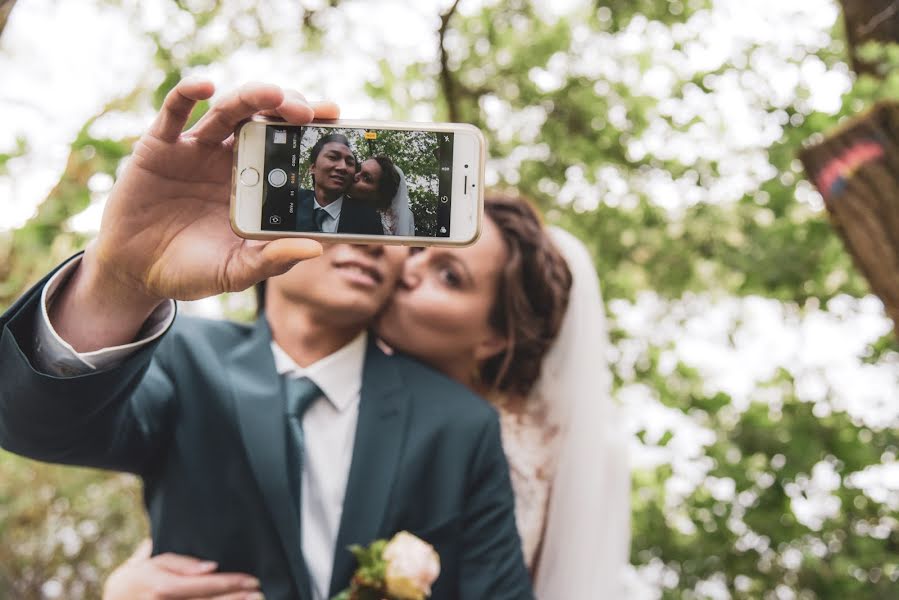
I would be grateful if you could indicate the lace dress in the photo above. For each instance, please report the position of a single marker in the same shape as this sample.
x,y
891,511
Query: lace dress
x,y
531,443
388,221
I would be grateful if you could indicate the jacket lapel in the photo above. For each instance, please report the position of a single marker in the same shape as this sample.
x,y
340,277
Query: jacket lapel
x,y
380,435
259,400
305,218
346,223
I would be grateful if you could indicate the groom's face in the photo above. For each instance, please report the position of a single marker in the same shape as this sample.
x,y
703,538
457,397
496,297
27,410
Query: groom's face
x,y
348,283
334,168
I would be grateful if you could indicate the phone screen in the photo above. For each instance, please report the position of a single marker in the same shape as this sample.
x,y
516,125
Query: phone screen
x,y
357,181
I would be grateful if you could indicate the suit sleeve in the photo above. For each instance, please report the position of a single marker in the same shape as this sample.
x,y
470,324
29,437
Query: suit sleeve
x,y
492,563
112,418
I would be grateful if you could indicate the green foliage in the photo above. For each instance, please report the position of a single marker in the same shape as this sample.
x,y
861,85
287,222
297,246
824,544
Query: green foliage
x,y
570,123
63,529
371,573
20,149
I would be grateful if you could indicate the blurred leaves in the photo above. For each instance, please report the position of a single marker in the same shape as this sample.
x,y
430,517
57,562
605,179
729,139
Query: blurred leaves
x,y
638,172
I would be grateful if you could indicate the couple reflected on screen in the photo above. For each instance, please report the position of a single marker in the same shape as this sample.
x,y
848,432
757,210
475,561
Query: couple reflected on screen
x,y
367,198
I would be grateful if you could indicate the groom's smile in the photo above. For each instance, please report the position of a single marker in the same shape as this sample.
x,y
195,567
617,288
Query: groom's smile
x,y
361,272
351,282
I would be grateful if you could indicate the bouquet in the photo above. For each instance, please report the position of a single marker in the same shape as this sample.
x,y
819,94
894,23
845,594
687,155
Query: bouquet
x,y
402,569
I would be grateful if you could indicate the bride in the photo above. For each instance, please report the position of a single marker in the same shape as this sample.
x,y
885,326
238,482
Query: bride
x,y
382,185
518,317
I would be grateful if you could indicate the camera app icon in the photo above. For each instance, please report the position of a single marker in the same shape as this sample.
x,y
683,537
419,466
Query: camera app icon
x,y
274,220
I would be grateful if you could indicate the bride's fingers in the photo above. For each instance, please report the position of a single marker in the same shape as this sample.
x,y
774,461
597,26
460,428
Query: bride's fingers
x,y
177,106
252,98
142,552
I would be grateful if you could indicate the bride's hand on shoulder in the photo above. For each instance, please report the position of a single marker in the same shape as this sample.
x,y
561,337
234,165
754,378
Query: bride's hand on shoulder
x,y
176,577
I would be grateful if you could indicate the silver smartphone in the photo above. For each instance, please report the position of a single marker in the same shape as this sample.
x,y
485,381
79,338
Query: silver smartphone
x,y
359,181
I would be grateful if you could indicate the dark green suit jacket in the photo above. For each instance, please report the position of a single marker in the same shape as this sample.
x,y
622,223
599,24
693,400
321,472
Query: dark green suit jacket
x,y
355,217
199,416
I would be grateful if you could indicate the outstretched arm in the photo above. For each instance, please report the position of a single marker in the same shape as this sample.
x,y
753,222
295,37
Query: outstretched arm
x,y
165,233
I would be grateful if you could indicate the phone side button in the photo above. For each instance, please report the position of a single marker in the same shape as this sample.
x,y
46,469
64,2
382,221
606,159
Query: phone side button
x,y
249,176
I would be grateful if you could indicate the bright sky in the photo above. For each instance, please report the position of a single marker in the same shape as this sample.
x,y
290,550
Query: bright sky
x,y
60,61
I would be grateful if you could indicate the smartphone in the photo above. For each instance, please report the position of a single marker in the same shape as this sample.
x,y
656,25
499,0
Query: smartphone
x,y
359,181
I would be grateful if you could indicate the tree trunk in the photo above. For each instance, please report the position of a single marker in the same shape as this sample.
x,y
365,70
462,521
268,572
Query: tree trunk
x,y
856,169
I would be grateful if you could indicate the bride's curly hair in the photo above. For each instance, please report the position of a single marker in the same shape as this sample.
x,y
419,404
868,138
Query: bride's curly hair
x,y
388,183
531,296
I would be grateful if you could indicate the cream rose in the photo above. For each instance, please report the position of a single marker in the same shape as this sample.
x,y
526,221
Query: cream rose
x,y
412,566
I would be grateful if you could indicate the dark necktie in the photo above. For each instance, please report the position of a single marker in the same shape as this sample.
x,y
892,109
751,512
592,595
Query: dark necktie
x,y
320,215
301,393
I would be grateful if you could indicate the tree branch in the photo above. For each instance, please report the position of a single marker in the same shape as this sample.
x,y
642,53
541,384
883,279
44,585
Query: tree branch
x,y
5,9
878,19
447,84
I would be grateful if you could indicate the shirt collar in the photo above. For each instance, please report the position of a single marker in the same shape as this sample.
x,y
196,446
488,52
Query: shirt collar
x,y
332,209
338,375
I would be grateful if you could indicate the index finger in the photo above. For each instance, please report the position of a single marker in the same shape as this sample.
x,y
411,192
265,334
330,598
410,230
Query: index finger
x,y
221,120
203,586
295,108
177,106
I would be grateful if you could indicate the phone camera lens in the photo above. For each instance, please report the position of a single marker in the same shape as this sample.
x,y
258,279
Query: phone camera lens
x,y
466,166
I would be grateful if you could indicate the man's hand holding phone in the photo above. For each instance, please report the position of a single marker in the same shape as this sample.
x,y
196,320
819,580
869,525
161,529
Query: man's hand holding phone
x,y
165,231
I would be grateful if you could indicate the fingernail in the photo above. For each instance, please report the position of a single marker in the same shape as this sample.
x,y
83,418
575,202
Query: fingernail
x,y
207,565
251,583
255,596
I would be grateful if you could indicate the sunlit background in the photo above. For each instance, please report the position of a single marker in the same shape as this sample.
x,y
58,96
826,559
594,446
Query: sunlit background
x,y
757,375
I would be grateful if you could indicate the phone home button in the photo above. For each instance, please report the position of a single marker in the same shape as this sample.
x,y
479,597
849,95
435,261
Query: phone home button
x,y
249,176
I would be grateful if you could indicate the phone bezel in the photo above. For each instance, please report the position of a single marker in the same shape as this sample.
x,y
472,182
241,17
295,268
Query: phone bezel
x,y
466,204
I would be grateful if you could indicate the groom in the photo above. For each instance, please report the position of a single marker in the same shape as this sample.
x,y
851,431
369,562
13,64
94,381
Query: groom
x,y
326,207
96,373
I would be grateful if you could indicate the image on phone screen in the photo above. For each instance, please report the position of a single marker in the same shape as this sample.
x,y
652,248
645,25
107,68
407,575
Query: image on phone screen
x,y
357,181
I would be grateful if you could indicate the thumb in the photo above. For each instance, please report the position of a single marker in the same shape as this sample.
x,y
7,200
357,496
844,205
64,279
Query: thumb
x,y
142,552
278,256
258,260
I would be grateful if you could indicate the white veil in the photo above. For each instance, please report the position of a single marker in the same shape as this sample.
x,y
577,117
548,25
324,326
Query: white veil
x,y
405,221
586,544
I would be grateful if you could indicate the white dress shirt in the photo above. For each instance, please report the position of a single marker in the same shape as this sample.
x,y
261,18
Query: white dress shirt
x,y
329,424
332,217
55,356
329,434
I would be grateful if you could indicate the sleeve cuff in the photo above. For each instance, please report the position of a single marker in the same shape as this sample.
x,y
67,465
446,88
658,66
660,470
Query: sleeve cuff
x,y
54,355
